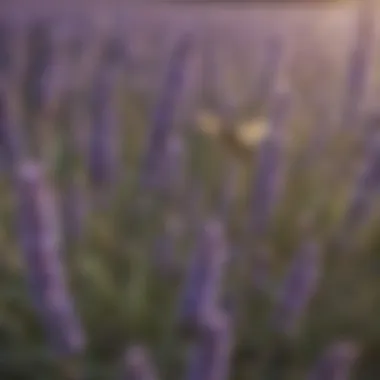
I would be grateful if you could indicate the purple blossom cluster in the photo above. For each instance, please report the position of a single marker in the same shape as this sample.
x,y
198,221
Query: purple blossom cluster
x,y
52,177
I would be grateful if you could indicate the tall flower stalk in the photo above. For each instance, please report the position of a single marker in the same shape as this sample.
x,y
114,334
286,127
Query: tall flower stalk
x,y
211,355
202,289
359,65
39,233
12,144
269,171
165,112
300,285
104,136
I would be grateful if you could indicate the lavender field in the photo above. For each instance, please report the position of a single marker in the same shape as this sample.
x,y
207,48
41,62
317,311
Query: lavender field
x,y
189,193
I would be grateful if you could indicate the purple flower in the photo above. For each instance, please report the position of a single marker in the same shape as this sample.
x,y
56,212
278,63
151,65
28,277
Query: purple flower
x,y
298,288
56,76
210,356
359,65
164,116
365,189
39,57
211,78
54,84
274,49
11,142
39,234
103,155
201,294
268,176
336,362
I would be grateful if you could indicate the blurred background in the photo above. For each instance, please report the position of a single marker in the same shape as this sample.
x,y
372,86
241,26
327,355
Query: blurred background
x,y
189,191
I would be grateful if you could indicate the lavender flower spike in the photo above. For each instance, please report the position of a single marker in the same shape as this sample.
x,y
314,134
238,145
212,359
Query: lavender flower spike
x,y
39,57
164,116
11,142
210,359
274,55
366,187
39,234
359,64
200,297
55,79
268,176
336,363
298,288
137,365
104,134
